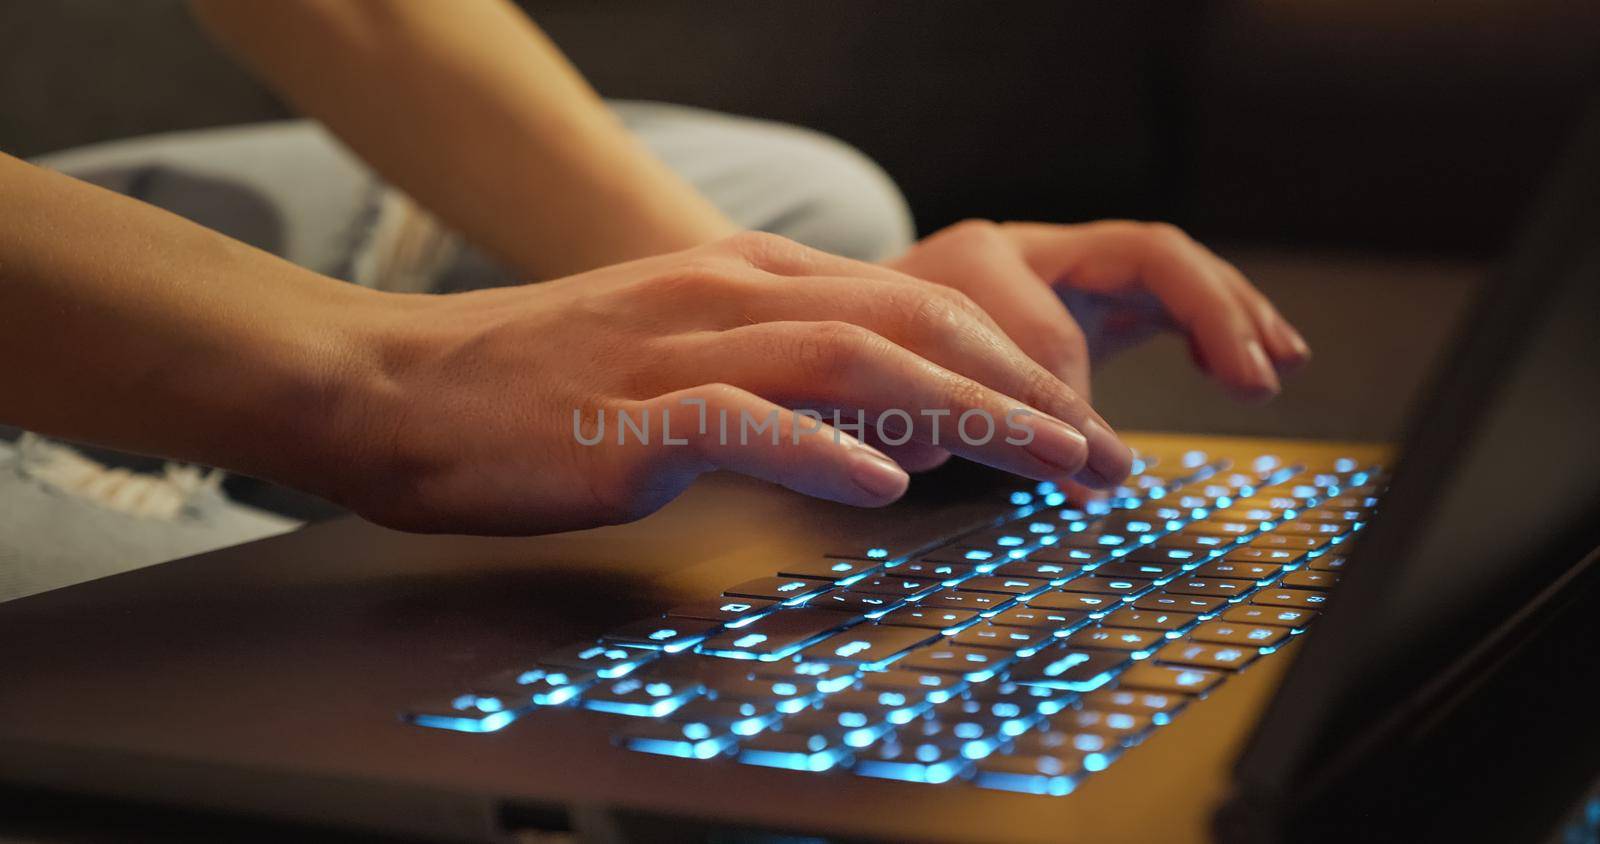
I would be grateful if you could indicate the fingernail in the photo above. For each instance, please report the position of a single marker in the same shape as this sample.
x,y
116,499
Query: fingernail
x,y
1110,459
1264,376
1297,342
874,472
1057,443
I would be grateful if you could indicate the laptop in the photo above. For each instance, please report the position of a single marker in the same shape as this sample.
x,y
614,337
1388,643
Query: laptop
x,y
1251,640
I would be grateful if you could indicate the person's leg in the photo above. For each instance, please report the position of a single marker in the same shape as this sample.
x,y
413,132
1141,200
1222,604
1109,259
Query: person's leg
x,y
66,519
779,178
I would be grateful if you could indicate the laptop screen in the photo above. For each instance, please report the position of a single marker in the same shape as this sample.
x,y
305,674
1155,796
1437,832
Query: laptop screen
x,y
1497,494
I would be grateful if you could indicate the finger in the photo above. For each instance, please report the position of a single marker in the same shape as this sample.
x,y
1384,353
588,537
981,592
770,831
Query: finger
x,y
899,395
1187,280
1006,287
747,434
913,456
781,256
1284,344
946,327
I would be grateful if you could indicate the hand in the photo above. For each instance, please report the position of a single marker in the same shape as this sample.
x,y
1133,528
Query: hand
x,y
1132,279
466,422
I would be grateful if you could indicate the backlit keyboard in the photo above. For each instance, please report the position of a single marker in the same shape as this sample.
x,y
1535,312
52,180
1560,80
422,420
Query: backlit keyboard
x,y
1023,654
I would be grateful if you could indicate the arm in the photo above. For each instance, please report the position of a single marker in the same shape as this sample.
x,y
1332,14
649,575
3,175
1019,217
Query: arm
x,y
472,111
124,325
130,327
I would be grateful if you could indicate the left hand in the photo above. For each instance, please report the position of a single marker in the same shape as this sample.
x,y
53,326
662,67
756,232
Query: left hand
x,y
1139,278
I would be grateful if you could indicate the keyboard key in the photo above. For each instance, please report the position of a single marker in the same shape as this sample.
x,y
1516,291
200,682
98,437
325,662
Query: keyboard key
x,y
1318,529
1209,587
800,750
1114,724
787,589
931,571
607,661
1237,570
1073,601
863,706
954,659
776,636
1137,571
1095,540
1052,775
724,609
1106,585
1230,633
1159,602
685,740
769,692
958,599
851,601
834,569
1276,556
1168,678
967,554
1274,540
1069,557
1252,614
1054,572
1327,562
878,552
546,686
1201,545
1310,579
1331,514
638,697
935,686
868,644
1030,616
1116,638
912,761
1003,585
1296,598
1003,638
1149,619
919,615
663,634
465,713
1158,705
1161,556
901,587
1209,527
1204,655
1069,669
1047,741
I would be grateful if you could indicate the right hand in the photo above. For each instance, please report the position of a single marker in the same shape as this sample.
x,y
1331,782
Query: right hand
x,y
461,418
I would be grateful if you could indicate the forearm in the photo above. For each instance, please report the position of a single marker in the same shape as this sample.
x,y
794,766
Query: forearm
x,y
471,110
124,325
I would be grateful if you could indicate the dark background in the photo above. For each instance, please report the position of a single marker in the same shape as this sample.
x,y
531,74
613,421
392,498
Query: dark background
x,y
1362,160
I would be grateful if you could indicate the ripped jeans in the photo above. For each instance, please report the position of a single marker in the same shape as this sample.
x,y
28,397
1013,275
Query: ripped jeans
x,y
291,189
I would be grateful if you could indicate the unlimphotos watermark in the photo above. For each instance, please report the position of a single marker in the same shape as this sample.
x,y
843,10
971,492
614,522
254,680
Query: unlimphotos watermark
x,y
974,427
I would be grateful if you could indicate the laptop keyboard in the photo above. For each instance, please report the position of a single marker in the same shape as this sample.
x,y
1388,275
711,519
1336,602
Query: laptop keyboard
x,y
1024,654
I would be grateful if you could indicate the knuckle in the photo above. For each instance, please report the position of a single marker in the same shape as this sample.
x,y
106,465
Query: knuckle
x,y
1160,235
1063,342
761,249
976,229
828,351
700,277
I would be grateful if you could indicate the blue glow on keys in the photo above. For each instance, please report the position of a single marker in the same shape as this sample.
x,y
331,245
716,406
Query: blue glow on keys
x,y
1021,499
468,714
877,553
